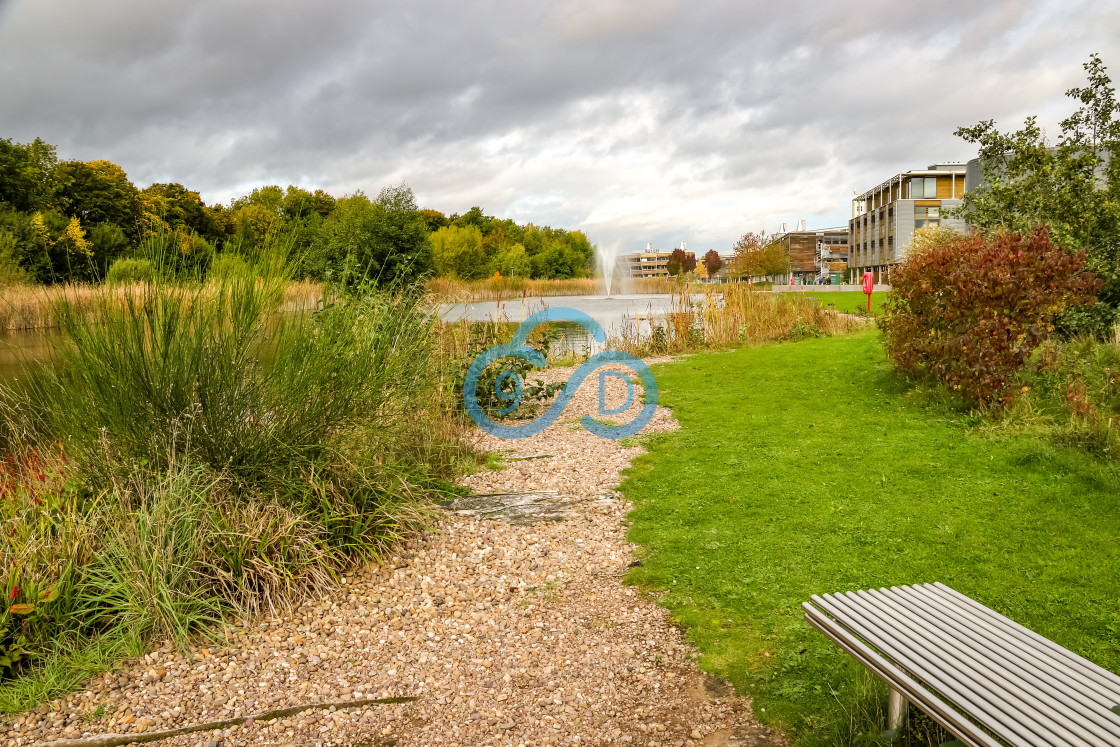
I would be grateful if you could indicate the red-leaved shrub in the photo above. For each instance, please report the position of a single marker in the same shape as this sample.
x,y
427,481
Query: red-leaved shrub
x,y
970,311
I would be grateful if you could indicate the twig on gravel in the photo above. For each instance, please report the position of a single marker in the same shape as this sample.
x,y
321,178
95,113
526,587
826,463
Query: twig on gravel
x,y
114,740
527,458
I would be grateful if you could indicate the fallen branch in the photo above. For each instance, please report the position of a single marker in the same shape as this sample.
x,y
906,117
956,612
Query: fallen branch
x,y
114,740
527,458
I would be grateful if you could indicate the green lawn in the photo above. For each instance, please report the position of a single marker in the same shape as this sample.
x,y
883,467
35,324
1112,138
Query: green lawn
x,y
847,301
810,467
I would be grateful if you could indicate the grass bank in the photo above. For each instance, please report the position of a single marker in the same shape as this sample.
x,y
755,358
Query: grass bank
x,y
812,467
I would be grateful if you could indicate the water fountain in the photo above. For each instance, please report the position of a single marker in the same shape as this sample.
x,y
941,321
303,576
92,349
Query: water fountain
x,y
608,261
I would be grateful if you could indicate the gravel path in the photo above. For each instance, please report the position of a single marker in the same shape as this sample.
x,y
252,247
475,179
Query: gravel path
x,y
509,635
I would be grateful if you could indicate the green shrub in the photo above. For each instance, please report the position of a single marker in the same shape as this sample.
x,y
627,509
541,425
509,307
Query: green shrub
x,y
970,312
129,270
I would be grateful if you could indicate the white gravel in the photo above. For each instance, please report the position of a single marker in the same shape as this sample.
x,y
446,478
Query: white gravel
x,y
509,635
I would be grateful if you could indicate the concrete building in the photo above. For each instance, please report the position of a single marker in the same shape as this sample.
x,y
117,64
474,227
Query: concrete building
x,y
885,217
648,264
811,253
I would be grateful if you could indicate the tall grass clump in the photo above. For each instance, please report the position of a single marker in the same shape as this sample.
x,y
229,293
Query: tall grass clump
x,y
194,450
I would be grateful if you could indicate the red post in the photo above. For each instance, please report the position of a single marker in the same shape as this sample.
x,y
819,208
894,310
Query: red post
x,y
868,286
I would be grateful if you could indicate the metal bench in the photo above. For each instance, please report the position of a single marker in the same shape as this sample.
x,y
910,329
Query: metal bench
x,y
987,680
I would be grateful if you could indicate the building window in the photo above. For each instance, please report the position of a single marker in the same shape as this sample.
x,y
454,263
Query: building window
x,y
926,216
923,188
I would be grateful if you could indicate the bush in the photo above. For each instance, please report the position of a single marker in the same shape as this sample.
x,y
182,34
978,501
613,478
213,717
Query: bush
x,y
970,311
127,271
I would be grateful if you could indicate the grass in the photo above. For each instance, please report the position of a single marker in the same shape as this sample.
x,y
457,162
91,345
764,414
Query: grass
x,y
847,302
812,467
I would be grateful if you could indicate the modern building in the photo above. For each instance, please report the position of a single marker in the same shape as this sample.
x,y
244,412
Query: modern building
x,y
885,217
812,253
648,264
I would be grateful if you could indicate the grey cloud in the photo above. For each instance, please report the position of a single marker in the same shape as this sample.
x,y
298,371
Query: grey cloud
x,y
655,120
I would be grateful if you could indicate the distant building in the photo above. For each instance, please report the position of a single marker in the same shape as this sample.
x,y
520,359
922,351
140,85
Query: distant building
x,y
648,264
885,217
812,253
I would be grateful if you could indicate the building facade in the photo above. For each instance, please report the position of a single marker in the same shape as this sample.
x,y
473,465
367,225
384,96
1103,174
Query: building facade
x,y
647,264
885,217
812,253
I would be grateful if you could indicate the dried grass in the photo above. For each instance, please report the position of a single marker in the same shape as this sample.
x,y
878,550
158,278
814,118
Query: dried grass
x,y
35,306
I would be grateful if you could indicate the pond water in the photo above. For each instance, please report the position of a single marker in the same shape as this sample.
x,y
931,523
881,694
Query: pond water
x,y
613,313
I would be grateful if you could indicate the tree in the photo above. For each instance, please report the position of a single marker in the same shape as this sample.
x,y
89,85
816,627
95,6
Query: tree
x,y
385,241
511,261
712,262
457,252
26,173
680,263
435,219
757,255
174,207
1073,187
98,192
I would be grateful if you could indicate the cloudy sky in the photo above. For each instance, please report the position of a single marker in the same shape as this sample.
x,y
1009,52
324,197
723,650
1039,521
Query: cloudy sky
x,y
643,120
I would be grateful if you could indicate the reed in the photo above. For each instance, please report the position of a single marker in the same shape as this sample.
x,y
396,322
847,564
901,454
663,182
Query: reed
x,y
449,290
728,315
25,307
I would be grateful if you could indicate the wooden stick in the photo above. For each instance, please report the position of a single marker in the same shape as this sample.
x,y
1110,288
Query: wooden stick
x,y
115,740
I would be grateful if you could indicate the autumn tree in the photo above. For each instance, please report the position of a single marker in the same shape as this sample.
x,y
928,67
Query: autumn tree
x,y
712,262
680,262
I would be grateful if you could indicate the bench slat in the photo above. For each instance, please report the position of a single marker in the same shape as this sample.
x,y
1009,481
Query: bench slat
x,y
966,731
1043,709
1025,688
1054,678
1000,711
1103,680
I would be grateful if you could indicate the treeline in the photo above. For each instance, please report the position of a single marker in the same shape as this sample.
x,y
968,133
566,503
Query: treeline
x,y
70,221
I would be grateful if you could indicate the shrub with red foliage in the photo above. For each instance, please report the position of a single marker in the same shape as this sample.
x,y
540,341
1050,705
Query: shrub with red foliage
x,y
970,312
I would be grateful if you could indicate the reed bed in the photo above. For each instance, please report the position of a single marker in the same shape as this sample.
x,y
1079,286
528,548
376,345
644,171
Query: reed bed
x,y
25,307
728,315
448,290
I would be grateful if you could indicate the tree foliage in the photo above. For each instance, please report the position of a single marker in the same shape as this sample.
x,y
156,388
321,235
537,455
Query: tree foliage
x,y
970,311
757,255
68,221
1073,186
712,262
680,262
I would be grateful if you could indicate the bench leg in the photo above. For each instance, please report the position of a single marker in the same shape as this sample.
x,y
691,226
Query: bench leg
x,y
896,709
